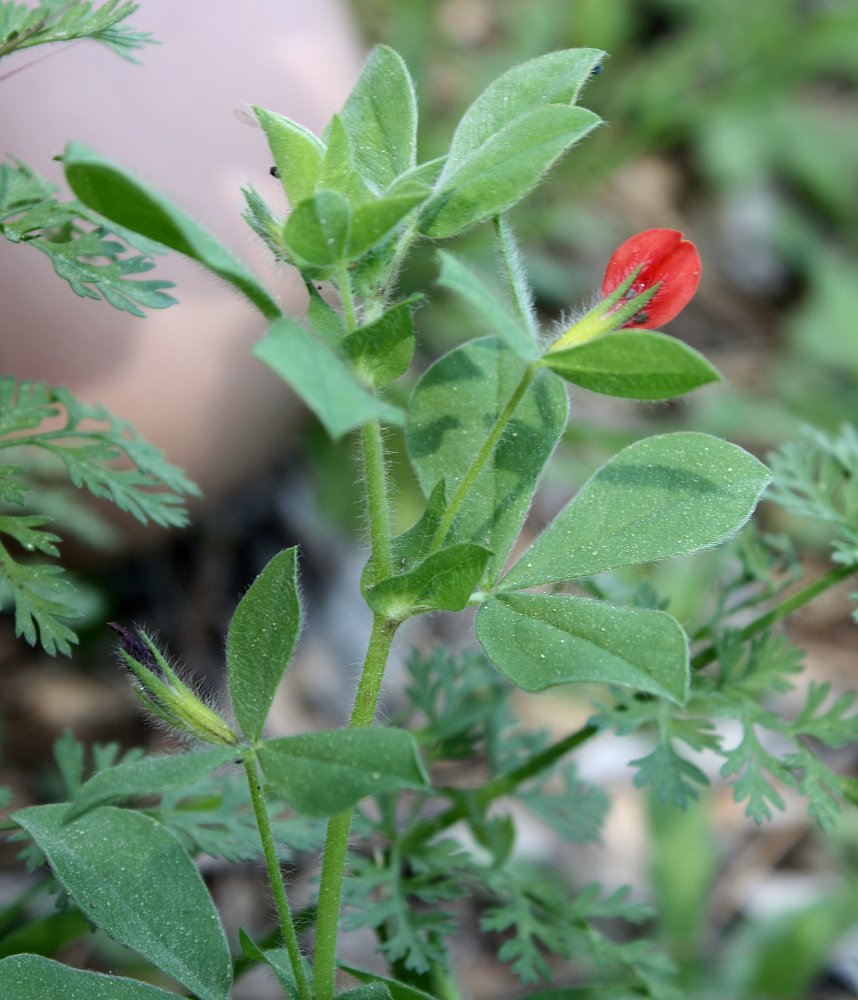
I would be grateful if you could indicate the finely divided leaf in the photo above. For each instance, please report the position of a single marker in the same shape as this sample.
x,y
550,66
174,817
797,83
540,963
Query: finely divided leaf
x,y
262,637
129,875
540,640
321,773
667,495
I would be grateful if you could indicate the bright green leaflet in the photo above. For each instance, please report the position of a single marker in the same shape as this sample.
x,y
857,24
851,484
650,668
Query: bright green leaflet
x,y
380,117
443,581
667,495
129,875
381,351
540,640
150,776
127,201
555,78
471,287
321,379
321,773
453,407
32,977
318,229
297,154
636,364
504,169
261,640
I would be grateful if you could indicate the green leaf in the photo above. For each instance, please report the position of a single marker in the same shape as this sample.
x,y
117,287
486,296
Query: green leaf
x,y
382,350
397,990
124,199
318,229
555,78
129,875
297,154
277,959
321,773
667,495
635,364
42,596
504,169
373,220
443,581
460,279
261,640
31,977
324,319
540,640
150,776
377,990
321,379
453,408
380,117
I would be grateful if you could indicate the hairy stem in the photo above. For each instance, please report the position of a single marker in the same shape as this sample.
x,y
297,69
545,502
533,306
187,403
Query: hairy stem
x,y
481,458
519,288
375,473
275,875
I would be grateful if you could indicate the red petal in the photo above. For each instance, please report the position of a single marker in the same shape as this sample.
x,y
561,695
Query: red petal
x,y
663,255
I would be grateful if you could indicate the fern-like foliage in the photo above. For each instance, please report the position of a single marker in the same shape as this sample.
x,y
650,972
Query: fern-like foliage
x,y
92,258
23,26
101,454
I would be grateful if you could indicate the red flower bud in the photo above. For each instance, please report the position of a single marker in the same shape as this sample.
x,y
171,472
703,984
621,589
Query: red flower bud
x,y
665,259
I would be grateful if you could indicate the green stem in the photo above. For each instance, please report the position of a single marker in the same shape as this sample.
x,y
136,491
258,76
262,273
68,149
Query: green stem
x,y
798,600
482,457
521,294
275,875
337,837
375,474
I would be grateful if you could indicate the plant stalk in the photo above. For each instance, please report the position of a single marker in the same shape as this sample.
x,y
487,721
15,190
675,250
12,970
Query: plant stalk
x,y
275,875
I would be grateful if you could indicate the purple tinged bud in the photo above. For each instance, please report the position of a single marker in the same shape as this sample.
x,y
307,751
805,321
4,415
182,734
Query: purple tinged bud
x,y
137,649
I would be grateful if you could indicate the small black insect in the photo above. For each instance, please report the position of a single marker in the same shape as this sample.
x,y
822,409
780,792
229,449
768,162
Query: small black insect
x,y
274,172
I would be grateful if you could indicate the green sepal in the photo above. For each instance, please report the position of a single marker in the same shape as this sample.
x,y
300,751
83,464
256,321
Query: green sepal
x,y
635,364
321,378
261,640
297,153
127,201
443,581
541,640
381,351
324,772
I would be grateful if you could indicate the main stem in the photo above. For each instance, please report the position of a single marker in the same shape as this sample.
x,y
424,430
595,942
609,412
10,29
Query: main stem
x,y
366,700
275,875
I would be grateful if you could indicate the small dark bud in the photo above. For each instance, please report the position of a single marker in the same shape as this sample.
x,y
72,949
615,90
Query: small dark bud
x,y
137,649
